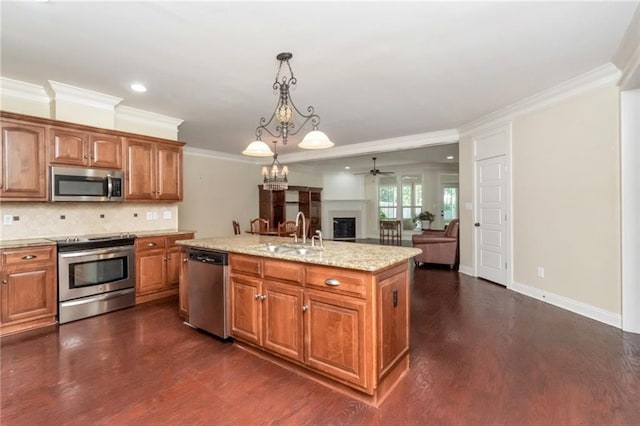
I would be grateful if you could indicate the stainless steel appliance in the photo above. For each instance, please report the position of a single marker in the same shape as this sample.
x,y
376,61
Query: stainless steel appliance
x,y
82,184
95,275
208,291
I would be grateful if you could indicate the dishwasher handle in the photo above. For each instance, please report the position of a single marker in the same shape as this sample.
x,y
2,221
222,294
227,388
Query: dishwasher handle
x,y
209,257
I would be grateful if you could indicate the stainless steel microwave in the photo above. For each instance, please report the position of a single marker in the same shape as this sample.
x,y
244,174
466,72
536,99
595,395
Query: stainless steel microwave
x,y
79,184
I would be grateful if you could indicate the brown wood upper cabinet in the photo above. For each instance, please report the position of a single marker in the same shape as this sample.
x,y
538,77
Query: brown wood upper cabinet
x,y
22,162
85,149
154,171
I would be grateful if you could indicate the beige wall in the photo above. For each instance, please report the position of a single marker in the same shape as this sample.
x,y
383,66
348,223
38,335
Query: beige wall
x,y
218,191
566,199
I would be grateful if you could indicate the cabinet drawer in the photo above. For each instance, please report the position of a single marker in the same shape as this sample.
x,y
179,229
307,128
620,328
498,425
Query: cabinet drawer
x,y
171,239
339,281
149,243
285,271
27,255
250,265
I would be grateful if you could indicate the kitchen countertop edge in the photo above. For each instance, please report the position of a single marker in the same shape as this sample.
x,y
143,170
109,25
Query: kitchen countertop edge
x,y
364,257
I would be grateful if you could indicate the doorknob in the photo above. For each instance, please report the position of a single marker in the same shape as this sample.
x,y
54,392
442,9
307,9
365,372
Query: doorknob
x,y
477,224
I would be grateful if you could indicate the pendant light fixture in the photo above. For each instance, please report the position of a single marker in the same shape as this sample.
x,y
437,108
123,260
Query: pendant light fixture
x,y
275,177
286,120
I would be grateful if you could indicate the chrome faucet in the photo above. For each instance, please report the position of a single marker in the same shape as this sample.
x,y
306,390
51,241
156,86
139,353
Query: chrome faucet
x,y
304,226
319,237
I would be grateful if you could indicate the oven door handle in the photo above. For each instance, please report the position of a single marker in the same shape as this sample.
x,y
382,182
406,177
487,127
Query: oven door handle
x,y
108,250
97,298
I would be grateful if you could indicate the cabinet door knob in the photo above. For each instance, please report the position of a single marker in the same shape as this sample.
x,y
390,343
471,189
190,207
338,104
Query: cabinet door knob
x,y
332,282
85,156
185,260
305,308
4,281
257,297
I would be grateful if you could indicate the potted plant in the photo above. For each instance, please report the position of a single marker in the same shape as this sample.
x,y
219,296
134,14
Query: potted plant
x,y
426,218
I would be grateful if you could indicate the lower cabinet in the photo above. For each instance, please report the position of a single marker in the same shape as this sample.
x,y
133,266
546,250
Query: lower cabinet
x,y
158,265
183,290
28,290
323,318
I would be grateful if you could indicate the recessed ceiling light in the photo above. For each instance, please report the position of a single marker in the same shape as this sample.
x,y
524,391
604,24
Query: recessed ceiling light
x,y
138,87
449,157
347,168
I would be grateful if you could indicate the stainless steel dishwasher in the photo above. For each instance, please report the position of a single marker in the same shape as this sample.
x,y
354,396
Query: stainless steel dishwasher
x,y
208,291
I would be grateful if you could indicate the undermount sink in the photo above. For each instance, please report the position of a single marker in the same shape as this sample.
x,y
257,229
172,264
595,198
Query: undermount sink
x,y
302,251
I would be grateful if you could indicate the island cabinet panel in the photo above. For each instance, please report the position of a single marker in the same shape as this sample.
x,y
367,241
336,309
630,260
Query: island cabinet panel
x,y
337,280
183,289
246,308
85,149
248,265
337,337
282,319
283,271
158,264
22,162
393,318
28,294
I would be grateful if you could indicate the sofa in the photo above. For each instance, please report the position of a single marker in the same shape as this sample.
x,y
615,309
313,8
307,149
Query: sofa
x,y
440,247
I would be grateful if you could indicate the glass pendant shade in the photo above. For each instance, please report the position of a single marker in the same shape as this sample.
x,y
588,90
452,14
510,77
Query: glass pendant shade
x,y
284,114
258,149
315,139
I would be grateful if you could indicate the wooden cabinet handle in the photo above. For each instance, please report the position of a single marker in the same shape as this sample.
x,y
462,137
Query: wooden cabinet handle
x,y
151,244
332,282
29,257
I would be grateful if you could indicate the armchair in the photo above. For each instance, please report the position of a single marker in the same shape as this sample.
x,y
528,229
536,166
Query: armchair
x,y
438,247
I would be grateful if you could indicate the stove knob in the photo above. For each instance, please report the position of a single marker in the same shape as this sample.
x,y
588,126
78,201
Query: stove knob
x,y
75,239
68,239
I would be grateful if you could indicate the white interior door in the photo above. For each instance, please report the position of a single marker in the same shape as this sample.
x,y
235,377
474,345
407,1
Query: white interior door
x,y
491,227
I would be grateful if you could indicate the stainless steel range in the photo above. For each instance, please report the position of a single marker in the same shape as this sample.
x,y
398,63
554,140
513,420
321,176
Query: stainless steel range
x,y
95,275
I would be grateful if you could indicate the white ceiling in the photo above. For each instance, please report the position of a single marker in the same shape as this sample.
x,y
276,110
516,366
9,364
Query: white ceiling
x,y
372,70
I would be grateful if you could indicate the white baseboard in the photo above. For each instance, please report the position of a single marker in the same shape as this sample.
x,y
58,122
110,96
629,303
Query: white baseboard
x,y
589,311
465,269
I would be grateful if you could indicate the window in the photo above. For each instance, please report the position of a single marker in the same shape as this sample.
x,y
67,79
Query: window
x,y
411,200
388,197
405,207
449,203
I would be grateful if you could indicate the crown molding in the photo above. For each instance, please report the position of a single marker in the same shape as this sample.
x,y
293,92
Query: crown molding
x,y
124,112
20,89
207,153
605,75
382,145
64,92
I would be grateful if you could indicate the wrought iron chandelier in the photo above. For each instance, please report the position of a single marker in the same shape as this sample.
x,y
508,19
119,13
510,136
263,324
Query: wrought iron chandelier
x,y
275,177
286,120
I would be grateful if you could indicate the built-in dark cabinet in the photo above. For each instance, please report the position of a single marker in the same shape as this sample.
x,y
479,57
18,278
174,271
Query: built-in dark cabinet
x,y
280,206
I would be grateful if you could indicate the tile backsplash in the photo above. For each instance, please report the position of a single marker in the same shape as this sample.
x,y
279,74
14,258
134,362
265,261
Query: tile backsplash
x,y
36,220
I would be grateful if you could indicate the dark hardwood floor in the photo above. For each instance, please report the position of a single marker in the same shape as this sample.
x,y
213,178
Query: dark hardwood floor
x,y
480,355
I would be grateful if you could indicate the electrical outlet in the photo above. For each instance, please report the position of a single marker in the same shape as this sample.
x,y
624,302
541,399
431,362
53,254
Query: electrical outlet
x,y
540,272
166,214
8,219
155,215
149,215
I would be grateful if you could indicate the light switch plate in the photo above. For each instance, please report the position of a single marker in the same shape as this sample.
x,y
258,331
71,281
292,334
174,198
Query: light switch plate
x,y
8,219
149,215
166,214
155,215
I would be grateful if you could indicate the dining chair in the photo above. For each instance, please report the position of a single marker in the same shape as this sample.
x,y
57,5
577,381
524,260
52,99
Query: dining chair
x,y
236,228
259,226
287,228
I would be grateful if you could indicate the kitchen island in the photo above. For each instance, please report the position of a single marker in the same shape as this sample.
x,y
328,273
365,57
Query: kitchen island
x,y
339,315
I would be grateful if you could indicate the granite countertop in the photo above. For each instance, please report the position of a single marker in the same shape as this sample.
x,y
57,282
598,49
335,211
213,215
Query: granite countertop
x,y
31,242
364,257
46,241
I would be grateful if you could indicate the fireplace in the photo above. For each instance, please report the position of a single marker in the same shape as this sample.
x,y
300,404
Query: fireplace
x,y
344,228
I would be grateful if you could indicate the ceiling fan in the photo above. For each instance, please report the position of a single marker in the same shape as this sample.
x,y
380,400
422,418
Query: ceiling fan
x,y
374,171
